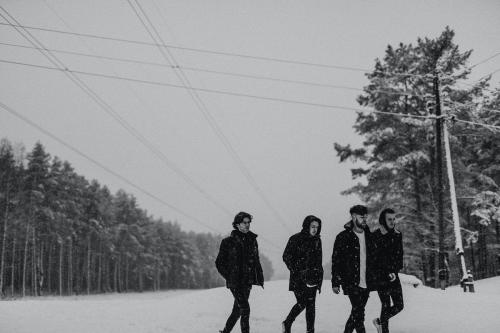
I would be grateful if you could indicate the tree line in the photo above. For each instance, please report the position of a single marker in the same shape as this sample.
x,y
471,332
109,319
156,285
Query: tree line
x,y
397,163
61,234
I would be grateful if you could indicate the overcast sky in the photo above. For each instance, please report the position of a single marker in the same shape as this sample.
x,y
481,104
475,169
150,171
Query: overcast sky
x,y
284,149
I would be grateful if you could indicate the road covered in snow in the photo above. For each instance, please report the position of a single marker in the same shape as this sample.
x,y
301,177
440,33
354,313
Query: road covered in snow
x,y
426,310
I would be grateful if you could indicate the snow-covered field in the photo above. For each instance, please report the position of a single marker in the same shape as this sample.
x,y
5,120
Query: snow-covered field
x,y
427,311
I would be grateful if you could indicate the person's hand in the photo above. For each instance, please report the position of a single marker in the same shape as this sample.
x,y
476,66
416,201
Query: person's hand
x,y
336,290
392,277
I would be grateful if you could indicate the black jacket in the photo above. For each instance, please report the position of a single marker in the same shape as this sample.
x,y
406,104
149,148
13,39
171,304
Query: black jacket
x,y
345,260
389,254
238,260
303,256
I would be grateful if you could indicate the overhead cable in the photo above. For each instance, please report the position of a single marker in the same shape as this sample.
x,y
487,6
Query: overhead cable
x,y
470,106
170,59
115,174
215,91
102,166
491,127
485,60
156,151
110,111
215,52
210,71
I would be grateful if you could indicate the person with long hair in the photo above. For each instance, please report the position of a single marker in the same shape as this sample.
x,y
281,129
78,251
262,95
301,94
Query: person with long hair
x,y
239,264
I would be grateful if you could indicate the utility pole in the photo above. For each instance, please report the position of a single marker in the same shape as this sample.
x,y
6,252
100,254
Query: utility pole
x,y
466,281
439,161
454,207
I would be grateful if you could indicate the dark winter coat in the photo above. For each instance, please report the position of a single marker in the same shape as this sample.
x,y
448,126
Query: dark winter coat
x,y
303,256
389,255
238,260
345,260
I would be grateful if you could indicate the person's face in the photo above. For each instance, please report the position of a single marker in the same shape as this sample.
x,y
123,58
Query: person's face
x,y
244,226
359,220
390,220
313,228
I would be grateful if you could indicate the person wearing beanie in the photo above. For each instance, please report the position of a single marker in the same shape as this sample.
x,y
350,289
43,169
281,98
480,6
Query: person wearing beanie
x,y
389,243
353,266
239,264
303,256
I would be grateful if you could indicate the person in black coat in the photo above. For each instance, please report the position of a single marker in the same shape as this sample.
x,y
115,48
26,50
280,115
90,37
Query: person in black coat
x,y
303,256
389,243
239,264
353,266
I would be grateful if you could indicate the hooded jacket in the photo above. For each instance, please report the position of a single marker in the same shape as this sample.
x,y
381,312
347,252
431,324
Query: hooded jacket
x,y
389,254
303,256
345,260
238,260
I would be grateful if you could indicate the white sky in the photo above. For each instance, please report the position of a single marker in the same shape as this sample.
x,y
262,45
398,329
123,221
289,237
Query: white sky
x,y
287,148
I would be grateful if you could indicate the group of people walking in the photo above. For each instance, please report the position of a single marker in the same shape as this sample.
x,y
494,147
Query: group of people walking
x,y
362,261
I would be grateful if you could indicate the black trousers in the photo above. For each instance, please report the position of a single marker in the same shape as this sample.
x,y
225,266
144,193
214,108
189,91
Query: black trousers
x,y
241,310
356,321
390,292
306,299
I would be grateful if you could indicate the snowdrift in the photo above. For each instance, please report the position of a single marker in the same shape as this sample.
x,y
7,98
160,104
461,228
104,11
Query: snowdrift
x,y
426,311
410,280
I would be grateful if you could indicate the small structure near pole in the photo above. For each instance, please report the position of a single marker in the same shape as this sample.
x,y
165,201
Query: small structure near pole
x,y
467,282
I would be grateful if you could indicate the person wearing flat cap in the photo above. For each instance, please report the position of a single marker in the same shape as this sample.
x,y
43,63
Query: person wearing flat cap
x,y
353,266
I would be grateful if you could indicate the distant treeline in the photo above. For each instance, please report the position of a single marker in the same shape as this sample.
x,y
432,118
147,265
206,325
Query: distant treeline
x,y
61,234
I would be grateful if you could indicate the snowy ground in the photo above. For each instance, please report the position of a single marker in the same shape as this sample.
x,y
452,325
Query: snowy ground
x,y
426,311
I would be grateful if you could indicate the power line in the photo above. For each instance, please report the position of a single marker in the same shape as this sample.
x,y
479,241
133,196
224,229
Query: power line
x,y
110,111
470,106
485,60
102,166
215,91
204,70
223,53
169,163
490,74
491,127
474,85
82,40
215,52
192,49
115,174
62,67
170,59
